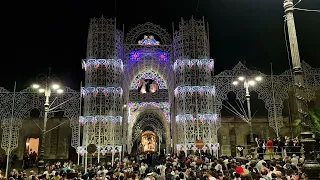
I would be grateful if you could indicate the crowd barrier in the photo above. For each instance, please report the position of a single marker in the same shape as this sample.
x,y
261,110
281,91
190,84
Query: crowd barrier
x,y
273,152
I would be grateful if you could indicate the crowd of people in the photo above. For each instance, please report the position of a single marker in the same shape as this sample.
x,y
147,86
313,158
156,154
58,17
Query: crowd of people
x,y
196,166
29,160
172,167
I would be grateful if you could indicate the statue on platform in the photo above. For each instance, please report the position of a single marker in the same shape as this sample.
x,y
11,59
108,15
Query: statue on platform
x,y
148,141
147,86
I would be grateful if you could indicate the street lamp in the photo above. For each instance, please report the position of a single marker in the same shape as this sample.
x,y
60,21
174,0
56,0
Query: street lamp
x,y
248,82
46,89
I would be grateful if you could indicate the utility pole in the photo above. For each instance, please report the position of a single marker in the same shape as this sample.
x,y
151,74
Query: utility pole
x,y
311,167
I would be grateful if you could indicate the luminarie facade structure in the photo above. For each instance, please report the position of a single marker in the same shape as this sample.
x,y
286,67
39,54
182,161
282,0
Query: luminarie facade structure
x,y
180,110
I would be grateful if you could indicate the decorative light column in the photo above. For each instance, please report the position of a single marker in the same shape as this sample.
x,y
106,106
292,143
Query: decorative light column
x,y
103,105
194,89
247,82
10,125
102,93
195,110
311,167
46,87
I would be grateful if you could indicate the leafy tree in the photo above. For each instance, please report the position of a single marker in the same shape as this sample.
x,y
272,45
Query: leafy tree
x,y
314,115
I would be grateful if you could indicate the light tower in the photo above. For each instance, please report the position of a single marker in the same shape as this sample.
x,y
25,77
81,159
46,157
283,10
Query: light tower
x,y
102,114
194,92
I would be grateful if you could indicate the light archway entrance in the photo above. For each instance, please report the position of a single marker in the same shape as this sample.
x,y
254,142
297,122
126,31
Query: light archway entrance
x,y
149,119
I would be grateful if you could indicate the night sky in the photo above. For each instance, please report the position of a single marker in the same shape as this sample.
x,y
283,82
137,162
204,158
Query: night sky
x,y
38,34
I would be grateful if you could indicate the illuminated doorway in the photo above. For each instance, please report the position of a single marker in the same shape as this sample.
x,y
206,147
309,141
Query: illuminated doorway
x,y
32,145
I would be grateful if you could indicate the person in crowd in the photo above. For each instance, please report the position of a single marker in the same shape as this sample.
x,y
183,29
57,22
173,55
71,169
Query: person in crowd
x,y
260,149
270,146
275,145
296,147
294,160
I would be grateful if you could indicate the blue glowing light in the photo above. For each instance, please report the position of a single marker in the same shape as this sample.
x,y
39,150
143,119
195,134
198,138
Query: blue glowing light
x,y
163,56
137,54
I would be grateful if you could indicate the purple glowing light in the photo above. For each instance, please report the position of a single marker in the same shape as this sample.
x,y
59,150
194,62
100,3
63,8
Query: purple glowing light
x,y
135,55
138,54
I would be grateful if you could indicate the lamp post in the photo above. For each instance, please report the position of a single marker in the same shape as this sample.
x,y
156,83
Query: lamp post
x,y
310,167
46,89
248,82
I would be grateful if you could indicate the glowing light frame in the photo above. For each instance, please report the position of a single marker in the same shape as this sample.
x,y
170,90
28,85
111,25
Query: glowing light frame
x,y
183,90
106,90
149,74
102,149
94,119
98,62
137,54
107,149
164,106
81,150
192,146
201,117
206,63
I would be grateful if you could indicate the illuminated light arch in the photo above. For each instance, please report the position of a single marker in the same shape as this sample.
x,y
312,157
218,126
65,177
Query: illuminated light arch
x,y
137,107
160,116
149,74
148,28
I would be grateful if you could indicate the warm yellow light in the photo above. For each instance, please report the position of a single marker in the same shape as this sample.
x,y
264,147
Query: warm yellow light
x,y
41,90
60,91
241,78
35,86
258,78
252,83
55,86
235,82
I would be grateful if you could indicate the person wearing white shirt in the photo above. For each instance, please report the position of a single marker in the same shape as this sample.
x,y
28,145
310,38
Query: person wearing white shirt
x,y
209,174
162,169
142,169
294,160
149,177
259,165
218,167
272,170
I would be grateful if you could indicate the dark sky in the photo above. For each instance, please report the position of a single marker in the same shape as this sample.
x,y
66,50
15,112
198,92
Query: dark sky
x,y
54,32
